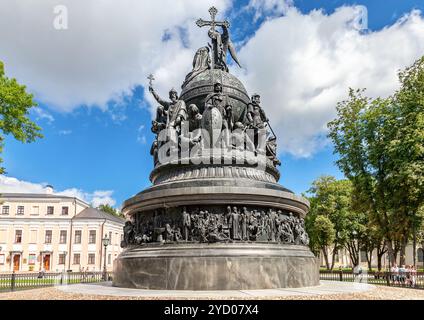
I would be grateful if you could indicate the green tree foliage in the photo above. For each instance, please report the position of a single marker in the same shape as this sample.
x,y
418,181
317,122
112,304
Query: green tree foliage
x,y
380,143
332,199
109,209
15,104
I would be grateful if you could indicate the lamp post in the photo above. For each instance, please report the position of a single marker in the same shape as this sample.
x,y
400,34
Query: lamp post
x,y
105,242
64,260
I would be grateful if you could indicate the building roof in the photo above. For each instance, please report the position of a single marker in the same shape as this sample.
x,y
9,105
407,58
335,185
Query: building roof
x,y
91,213
38,196
32,195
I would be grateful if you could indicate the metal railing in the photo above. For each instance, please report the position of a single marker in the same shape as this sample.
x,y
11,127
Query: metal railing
x,y
398,279
20,281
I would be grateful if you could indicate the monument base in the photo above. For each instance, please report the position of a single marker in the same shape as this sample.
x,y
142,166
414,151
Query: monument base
x,y
217,266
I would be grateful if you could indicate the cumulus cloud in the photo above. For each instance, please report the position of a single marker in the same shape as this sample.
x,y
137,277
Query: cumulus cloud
x,y
269,7
303,64
96,198
106,50
40,113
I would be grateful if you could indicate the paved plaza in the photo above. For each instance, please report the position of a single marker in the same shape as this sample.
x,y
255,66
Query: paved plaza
x,y
327,290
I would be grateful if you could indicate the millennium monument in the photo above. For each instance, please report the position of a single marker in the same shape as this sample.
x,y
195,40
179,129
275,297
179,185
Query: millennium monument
x,y
215,217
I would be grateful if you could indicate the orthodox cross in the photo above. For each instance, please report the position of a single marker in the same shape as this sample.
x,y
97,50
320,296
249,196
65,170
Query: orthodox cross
x,y
151,78
213,23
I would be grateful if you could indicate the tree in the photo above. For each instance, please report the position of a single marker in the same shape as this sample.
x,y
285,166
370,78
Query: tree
x,y
15,104
380,143
331,198
322,235
109,209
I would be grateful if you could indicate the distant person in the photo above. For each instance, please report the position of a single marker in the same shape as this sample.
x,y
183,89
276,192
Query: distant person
x,y
357,272
402,274
395,273
413,273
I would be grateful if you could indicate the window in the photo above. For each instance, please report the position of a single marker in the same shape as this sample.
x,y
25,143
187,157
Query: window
x,y
420,255
61,258
48,237
2,259
35,210
50,210
5,210
91,258
32,259
18,236
77,236
109,259
20,210
92,237
64,211
116,237
63,235
77,258
110,237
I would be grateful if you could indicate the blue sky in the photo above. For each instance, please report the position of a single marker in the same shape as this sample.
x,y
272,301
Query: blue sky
x,y
107,147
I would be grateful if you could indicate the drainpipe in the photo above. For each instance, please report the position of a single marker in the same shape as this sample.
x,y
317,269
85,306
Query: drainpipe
x,y
101,245
70,236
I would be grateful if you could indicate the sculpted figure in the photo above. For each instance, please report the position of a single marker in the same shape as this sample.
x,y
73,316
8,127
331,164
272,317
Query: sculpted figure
x,y
234,224
255,114
186,224
161,118
129,234
240,140
220,101
243,224
271,151
201,62
154,152
222,43
176,109
194,116
168,233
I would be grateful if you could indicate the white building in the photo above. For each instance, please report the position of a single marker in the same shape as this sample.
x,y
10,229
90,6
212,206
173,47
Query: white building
x,y
55,233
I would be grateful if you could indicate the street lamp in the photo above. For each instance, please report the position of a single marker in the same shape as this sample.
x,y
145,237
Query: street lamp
x,y
105,242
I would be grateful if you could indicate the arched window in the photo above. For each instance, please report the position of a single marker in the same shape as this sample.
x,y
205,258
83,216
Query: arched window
x,y
420,255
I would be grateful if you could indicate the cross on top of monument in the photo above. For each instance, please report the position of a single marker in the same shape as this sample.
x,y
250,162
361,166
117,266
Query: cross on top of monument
x,y
213,23
151,78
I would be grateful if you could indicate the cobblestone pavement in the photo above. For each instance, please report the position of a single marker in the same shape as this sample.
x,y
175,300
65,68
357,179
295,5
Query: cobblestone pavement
x,y
379,293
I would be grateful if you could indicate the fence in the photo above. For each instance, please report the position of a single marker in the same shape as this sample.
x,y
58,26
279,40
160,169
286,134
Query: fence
x,y
405,280
21,281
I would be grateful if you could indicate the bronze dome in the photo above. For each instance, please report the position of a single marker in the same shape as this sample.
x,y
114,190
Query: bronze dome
x,y
196,90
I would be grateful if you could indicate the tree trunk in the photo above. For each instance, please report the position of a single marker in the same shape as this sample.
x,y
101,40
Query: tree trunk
x,y
402,259
390,253
414,248
381,250
369,259
324,252
353,252
333,254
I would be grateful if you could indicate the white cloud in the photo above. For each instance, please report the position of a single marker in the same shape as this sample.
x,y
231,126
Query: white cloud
x,y
303,64
13,185
269,7
42,114
65,132
96,198
106,50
